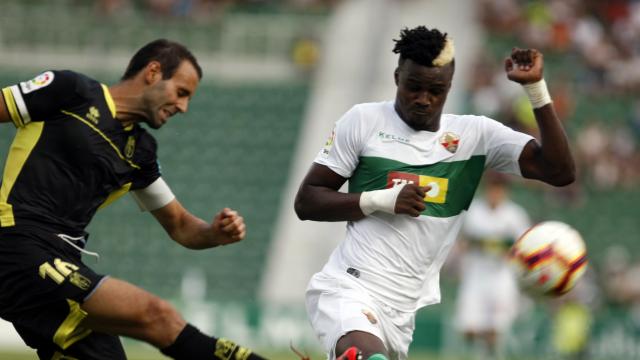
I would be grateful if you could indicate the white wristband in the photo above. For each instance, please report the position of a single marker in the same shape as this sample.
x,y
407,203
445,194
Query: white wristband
x,y
380,200
538,94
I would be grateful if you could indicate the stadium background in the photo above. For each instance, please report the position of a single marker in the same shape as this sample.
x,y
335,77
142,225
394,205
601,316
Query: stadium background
x,y
277,75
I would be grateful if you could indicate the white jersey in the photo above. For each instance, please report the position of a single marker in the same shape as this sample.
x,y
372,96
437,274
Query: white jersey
x,y
490,231
488,295
397,258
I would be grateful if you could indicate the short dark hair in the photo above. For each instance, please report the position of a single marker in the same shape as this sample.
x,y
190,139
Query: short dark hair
x,y
169,54
420,45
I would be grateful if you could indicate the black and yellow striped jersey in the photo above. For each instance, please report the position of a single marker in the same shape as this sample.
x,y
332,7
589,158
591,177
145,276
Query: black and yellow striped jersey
x,y
70,156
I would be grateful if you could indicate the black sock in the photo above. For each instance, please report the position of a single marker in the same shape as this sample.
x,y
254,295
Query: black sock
x,y
191,344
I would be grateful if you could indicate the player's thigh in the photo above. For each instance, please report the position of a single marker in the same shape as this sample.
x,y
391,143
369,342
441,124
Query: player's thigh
x,y
122,308
337,310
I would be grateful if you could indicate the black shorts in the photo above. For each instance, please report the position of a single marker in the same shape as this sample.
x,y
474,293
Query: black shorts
x,y
43,281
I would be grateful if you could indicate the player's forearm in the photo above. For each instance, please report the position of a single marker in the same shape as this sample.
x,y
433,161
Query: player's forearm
x,y
559,167
325,204
194,233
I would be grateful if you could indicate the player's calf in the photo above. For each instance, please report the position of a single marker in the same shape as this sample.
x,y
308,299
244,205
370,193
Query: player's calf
x,y
191,344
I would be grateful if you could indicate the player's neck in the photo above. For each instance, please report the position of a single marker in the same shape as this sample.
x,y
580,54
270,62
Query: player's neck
x,y
128,103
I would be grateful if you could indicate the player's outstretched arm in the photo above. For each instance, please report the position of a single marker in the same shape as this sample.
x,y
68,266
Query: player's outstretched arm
x,y
550,160
318,198
194,233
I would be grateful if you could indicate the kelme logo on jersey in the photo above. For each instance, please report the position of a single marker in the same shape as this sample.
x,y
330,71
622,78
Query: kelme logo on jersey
x,y
386,137
38,82
439,186
450,141
93,114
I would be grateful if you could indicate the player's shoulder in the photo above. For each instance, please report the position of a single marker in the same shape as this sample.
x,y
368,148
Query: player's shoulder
x,y
468,122
374,109
373,106
369,113
514,207
67,76
60,82
82,84
465,119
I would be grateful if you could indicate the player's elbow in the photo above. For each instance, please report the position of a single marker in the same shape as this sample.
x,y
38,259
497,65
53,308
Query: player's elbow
x,y
567,180
562,178
563,181
302,209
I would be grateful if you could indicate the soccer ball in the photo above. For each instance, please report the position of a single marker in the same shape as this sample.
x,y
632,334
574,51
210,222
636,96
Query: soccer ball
x,y
549,258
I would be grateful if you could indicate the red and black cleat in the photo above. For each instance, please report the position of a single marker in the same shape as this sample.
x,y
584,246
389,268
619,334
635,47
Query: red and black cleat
x,y
352,353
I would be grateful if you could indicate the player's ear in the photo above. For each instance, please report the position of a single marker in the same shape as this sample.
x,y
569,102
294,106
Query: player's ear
x,y
395,76
153,72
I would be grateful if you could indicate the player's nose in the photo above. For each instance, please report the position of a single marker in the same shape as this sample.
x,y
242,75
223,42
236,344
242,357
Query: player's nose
x,y
423,99
182,105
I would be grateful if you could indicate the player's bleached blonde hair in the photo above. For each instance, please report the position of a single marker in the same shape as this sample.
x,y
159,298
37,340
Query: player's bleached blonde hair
x,y
427,47
446,54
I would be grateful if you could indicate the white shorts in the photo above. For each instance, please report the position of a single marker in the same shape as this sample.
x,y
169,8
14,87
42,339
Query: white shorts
x,y
336,306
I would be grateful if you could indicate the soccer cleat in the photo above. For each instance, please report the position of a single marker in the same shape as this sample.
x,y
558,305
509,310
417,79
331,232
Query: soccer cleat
x,y
352,353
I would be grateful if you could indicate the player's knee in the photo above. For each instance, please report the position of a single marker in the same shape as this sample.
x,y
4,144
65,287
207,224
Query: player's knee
x,y
161,322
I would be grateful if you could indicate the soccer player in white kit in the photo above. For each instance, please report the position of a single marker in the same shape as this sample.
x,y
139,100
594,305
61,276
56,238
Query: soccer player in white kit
x,y
412,173
488,295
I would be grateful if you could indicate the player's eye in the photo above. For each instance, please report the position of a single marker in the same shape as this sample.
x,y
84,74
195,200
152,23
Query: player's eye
x,y
183,93
436,91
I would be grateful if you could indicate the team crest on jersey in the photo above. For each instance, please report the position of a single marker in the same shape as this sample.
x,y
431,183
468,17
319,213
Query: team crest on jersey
x,y
36,83
130,147
450,141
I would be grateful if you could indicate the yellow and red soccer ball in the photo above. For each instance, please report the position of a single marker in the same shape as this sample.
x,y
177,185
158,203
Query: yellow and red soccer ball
x,y
549,258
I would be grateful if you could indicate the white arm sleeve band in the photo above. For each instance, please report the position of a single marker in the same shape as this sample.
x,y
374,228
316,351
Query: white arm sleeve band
x,y
538,94
154,196
380,200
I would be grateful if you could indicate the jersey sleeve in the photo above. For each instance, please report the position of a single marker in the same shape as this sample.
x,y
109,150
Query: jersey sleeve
x,y
154,196
503,146
342,150
147,159
43,96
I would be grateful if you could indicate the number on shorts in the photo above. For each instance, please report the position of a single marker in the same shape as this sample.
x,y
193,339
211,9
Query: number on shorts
x,y
59,273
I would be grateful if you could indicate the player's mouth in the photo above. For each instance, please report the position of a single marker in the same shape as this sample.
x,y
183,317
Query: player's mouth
x,y
421,113
166,114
